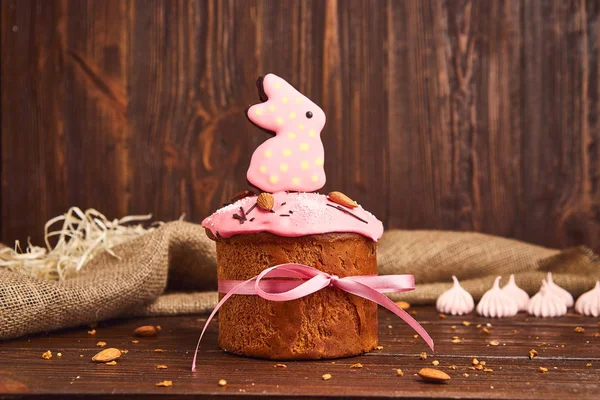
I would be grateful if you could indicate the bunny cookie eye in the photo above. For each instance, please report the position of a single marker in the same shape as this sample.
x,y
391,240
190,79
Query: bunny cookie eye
x,y
309,114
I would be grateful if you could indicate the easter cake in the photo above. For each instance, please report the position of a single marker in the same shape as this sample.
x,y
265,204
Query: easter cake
x,y
286,221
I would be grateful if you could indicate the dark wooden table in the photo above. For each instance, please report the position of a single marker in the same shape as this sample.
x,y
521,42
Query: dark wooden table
x,y
572,360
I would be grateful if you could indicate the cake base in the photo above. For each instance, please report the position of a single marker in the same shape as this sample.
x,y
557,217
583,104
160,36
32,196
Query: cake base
x,y
327,324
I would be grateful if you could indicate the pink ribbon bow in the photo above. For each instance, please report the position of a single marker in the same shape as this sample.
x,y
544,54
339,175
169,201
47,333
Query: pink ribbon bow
x,y
312,280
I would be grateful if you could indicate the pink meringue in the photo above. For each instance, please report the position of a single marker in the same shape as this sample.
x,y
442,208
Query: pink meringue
x,y
562,293
516,293
589,302
496,303
455,301
547,303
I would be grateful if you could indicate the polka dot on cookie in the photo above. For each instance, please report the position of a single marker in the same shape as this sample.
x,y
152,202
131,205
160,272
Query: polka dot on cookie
x,y
319,161
279,120
287,152
303,146
296,181
272,108
315,178
258,111
283,167
273,179
292,115
301,127
263,169
305,164
312,133
268,153
284,100
292,135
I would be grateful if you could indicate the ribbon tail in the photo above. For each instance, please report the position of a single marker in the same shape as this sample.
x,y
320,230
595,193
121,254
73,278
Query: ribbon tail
x,y
214,311
366,292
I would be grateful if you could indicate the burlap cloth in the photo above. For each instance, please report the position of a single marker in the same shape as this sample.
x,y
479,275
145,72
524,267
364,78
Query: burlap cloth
x,y
172,271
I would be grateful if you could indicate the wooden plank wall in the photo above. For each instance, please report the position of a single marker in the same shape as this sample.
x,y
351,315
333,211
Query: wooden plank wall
x,y
465,115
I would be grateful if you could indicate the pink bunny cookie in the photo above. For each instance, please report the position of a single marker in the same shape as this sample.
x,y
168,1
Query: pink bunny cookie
x,y
293,159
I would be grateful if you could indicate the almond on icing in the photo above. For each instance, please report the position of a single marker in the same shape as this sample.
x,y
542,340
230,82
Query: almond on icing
x,y
455,301
517,294
562,293
589,302
546,303
497,304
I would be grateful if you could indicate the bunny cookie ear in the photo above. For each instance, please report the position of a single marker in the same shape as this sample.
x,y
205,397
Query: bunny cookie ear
x,y
276,96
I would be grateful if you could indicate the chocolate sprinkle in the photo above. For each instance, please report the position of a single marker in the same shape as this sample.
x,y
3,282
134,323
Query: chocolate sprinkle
x,y
242,194
243,212
284,215
284,203
347,212
251,208
291,212
252,219
272,211
218,235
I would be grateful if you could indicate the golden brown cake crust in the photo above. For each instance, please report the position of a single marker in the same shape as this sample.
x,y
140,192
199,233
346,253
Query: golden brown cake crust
x,y
326,324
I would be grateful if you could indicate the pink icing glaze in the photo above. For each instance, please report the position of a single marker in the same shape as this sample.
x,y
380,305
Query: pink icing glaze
x,y
309,214
293,159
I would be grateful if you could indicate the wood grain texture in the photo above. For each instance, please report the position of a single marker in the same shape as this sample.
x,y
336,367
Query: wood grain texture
x,y
464,115
25,374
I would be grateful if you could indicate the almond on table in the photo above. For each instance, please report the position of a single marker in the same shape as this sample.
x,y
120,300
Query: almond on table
x,y
145,331
433,375
403,305
107,355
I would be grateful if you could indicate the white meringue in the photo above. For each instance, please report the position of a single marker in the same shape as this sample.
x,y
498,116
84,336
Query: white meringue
x,y
516,293
589,302
496,303
547,303
455,301
566,296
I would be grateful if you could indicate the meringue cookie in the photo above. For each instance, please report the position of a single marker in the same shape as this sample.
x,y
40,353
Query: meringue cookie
x,y
455,301
496,303
516,293
547,303
589,302
566,296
